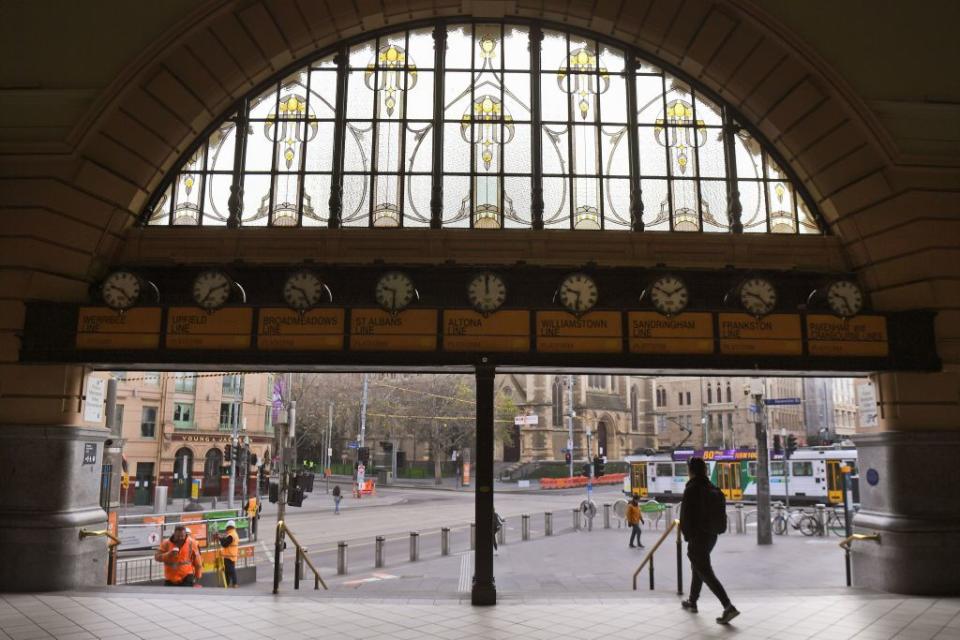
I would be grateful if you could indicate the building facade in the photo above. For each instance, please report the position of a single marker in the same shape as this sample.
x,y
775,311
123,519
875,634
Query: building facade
x,y
612,416
177,427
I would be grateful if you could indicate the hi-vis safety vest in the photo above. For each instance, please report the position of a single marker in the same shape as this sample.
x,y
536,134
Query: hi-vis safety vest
x,y
179,566
232,552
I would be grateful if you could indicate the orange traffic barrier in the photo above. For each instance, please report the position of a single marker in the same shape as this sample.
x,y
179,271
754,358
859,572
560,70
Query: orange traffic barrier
x,y
580,481
369,488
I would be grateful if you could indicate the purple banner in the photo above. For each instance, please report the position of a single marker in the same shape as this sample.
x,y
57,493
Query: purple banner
x,y
278,393
722,455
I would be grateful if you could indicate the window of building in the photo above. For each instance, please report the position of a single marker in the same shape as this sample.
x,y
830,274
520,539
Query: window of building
x,y
232,384
183,415
634,409
802,468
557,401
151,378
148,422
680,398
709,394
268,419
120,375
729,396
184,382
664,469
230,413
688,397
362,134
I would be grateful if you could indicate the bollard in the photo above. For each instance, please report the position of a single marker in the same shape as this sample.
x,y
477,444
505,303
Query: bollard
x,y
414,546
740,525
548,523
778,513
445,541
525,527
501,535
576,519
378,552
341,558
606,515
473,536
298,569
821,519
670,515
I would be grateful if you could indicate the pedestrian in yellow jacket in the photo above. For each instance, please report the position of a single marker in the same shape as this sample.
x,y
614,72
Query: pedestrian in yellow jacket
x,y
634,520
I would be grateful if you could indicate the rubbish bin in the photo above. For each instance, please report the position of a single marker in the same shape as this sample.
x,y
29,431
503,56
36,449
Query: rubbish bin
x,y
384,476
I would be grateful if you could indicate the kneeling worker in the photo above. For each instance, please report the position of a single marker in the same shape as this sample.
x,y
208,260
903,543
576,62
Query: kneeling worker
x,y
230,541
182,566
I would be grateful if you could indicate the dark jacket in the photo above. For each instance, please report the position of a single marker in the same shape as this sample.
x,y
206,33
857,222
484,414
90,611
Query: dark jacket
x,y
693,517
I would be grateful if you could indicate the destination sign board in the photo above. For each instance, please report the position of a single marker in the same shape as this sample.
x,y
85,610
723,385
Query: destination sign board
x,y
193,328
777,334
104,328
313,330
466,330
651,332
594,332
377,330
857,336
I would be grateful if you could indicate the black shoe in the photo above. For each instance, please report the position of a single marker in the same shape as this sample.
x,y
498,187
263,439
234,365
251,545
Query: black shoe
x,y
631,546
640,546
729,614
689,606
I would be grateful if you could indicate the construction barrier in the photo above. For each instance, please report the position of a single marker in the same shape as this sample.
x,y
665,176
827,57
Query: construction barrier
x,y
368,488
580,481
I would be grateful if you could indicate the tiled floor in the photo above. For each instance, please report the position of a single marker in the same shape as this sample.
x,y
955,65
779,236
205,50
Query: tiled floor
x,y
197,616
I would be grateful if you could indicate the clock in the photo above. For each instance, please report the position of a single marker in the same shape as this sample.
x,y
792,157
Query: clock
x,y
578,293
757,296
395,291
303,290
487,292
120,290
211,289
668,294
845,298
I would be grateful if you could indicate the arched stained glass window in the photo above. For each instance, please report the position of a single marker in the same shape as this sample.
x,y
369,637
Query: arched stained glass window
x,y
489,126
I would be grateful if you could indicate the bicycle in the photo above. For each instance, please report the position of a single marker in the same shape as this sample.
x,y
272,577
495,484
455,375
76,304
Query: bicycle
x,y
833,522
792,519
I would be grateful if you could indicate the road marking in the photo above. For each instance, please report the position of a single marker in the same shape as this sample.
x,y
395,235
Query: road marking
x,y
267,551
466,572
376,577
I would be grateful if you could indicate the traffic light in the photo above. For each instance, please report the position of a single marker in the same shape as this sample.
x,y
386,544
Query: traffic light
x,y
228,453
598,466
777,448
295,496
274,493
566,457
791,445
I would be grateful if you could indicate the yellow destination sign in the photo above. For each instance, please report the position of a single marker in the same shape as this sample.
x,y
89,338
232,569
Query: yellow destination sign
x,y
686,333
104,328
595,332
193,328
857,336
314,330
377,330
777,334
465,330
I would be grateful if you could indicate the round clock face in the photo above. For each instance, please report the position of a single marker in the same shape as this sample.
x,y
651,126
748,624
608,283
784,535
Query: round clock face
x,y
578,293
487,292
211,289
303,290
845,298
758,296
120,290
669,295
394,291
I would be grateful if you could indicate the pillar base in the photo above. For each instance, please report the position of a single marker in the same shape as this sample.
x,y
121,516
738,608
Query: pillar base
x,y
483,595
48,492
914,504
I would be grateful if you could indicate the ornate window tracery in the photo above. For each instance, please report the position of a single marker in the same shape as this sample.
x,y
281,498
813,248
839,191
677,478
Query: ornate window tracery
x,y
484,125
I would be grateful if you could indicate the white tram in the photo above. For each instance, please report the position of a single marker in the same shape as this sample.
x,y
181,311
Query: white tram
x,y
813,474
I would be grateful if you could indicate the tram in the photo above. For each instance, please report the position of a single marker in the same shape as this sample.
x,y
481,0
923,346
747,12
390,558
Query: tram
x,y
814,474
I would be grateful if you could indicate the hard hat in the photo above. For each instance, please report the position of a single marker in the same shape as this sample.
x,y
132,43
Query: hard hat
x,y
187,529
231,523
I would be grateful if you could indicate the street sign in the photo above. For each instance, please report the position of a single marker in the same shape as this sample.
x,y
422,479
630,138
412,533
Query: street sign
x,y
781,401
95,396
526,420
353,444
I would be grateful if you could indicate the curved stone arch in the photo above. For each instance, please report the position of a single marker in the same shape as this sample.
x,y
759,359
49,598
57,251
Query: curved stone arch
x,y
168,100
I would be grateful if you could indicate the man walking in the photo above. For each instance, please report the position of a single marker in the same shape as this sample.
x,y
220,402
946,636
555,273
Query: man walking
x,y
634,520
702,518
182,566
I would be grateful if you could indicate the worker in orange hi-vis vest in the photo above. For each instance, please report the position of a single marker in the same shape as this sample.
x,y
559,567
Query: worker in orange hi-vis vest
x,y
180,555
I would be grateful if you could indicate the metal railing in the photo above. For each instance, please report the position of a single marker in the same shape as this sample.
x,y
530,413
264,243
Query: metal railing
x,y
146,569
301,559
648,559
847,542
112,543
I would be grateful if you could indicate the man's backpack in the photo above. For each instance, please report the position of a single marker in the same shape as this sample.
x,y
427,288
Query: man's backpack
x,y
715,511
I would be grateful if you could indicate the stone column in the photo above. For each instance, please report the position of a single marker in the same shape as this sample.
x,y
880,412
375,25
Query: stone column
x,y
910,487
48,490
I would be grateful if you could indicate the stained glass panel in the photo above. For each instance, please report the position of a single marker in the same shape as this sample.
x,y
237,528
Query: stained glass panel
x,y
388,167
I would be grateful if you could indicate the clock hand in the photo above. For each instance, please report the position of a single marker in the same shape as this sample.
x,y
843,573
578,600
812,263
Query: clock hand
x,y
212,289
120,291
303,292
486,284
394,292
753,295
